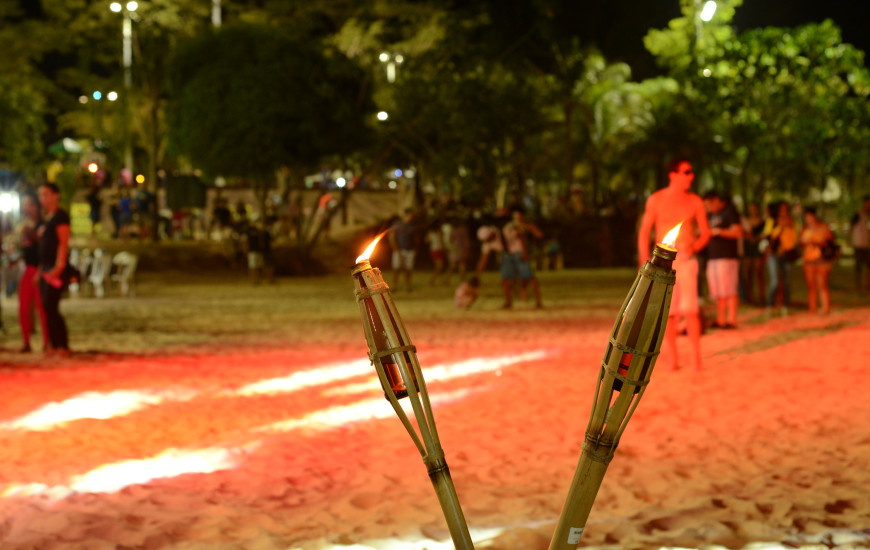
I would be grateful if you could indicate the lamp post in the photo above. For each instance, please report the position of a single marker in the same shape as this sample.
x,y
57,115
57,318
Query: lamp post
x,y
391,62
216,13
708,10
700,16
129,12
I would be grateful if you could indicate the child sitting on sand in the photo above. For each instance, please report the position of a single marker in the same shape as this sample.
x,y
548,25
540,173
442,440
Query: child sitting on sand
x,y
466,293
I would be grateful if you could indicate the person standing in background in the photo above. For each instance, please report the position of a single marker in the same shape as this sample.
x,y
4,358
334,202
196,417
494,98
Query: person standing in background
x,y
404,240
458,244
723,265
752,264
95,203
53,257
783,251
29,298
491,244
515,260
665,209
817,268
860,234
435,240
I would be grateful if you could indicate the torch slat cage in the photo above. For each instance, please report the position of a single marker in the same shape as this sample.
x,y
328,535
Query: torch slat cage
x,y
377,305
636,337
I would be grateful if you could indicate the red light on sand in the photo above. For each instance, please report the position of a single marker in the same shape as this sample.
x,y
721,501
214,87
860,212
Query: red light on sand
x,y
670,239
371,248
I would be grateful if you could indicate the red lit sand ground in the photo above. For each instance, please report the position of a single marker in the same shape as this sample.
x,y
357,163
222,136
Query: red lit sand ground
x,y
771,443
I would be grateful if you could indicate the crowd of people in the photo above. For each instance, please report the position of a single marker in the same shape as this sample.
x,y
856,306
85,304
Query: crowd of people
x,y
748,257
249,235
728,257
129,207
507,238
41,245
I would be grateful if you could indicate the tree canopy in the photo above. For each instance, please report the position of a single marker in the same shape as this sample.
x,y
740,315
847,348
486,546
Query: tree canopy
x,y
489,100
248,99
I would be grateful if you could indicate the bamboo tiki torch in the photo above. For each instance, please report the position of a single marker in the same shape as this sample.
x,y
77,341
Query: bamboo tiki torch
x,y
625,371
395,361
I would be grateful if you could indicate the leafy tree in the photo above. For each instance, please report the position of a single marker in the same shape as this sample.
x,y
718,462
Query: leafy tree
x,y
21,131
22,101
773,106
249,99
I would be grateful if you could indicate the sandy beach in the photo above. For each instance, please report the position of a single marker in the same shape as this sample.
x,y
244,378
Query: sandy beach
x,y
206,413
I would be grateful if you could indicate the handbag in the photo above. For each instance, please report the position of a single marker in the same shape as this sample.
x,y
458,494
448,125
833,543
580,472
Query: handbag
x,y
830,250
70,274
792,255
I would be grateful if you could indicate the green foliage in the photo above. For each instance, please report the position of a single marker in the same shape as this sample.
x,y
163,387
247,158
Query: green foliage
x,y
775,108
490,94
688,41
249,99
66,181
22,126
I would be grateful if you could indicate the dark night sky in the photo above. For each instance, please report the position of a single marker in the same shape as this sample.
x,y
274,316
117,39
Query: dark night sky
x,y
620,29
849,15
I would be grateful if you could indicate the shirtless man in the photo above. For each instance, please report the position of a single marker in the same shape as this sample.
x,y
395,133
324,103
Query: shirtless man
x,y
664,210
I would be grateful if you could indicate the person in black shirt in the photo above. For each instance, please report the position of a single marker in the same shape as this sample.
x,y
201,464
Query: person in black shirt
x,y
259,245
28,287
723,263
53,257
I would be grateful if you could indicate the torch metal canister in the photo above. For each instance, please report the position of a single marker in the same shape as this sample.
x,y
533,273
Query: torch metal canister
x,y
628,363
395,360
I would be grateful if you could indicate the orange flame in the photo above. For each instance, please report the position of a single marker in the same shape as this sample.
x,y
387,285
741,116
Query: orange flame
x,y
368,252
671,238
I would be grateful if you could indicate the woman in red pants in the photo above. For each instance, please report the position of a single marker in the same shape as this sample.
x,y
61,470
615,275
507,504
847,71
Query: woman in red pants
x,y
28,287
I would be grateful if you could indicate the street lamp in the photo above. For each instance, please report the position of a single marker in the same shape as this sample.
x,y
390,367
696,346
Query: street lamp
x,y
702,15
391,62
708,10
129,12
216,13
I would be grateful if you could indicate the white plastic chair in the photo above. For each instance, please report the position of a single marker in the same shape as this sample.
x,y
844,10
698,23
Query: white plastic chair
x,y
126,270
100,267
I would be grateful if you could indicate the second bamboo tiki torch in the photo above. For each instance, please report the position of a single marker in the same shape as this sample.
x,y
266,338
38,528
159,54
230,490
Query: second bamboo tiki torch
x,y
395,361
625,371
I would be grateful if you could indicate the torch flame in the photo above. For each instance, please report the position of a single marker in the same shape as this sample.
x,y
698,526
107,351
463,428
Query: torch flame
x,y
671,238
368,252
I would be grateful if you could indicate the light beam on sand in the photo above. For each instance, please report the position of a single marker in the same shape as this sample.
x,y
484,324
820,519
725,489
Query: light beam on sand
x,y
469,367
110,478
480,365
170,463
308,378
94,405
370,409
102,406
